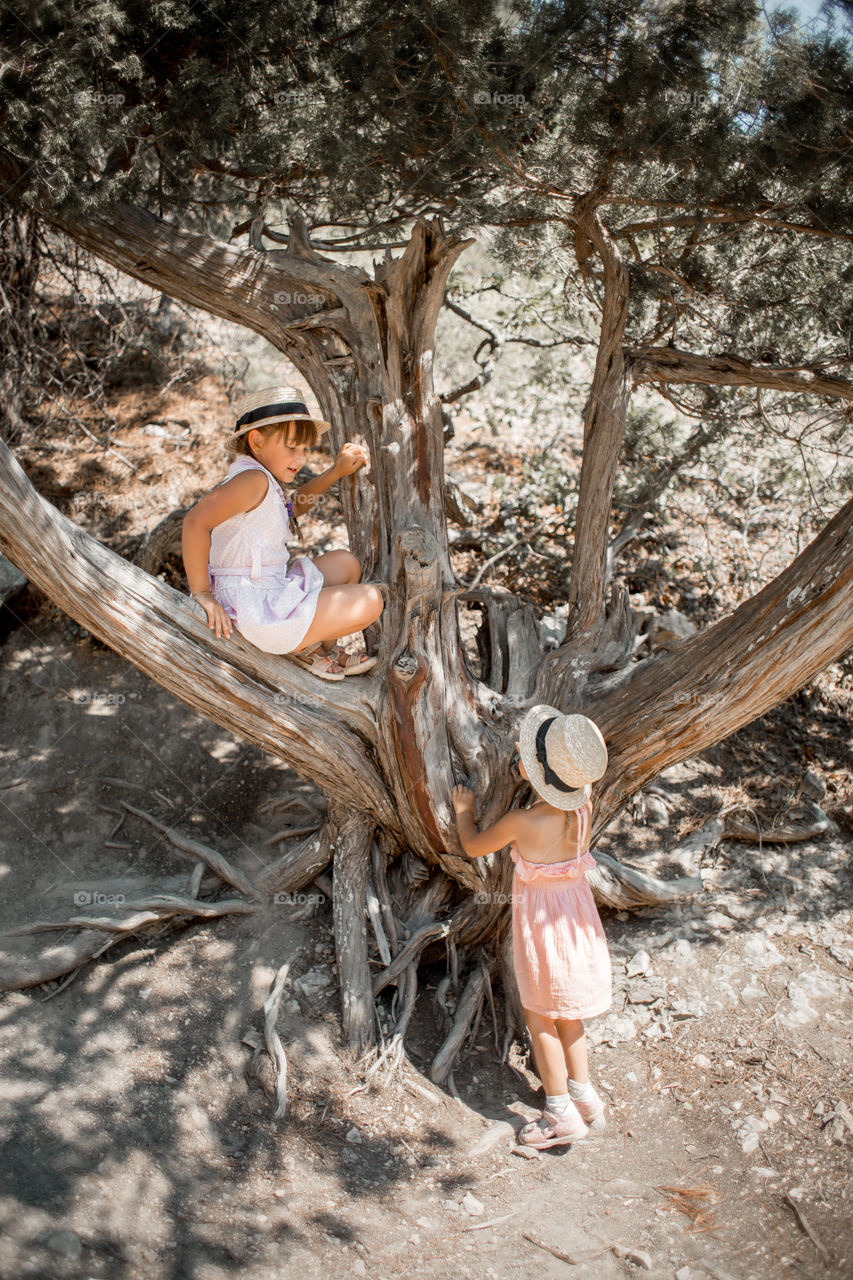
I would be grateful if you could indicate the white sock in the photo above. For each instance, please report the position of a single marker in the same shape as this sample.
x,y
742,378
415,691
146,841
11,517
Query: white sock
x,y
558,1103
581,1092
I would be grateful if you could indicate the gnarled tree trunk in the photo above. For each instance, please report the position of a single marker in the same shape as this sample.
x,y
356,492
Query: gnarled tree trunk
x,y
388,751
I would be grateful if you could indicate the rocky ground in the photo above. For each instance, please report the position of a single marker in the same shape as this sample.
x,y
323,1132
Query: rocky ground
x,y
135,1147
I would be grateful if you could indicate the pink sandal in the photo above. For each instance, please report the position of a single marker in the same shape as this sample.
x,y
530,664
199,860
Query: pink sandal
x,y
318,663
553,1131
352,664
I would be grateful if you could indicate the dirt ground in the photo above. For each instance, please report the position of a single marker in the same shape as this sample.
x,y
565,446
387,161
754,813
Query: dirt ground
x,y
136,1149
134,1145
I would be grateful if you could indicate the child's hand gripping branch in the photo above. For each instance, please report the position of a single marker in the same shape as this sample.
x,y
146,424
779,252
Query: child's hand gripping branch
x,y
235,544
559,950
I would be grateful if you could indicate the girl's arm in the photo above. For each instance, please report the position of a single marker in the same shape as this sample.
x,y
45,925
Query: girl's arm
x,y
351,458
241,493
478,843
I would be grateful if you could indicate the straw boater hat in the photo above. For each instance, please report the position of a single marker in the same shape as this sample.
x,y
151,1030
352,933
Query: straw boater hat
x,y
562,755
274,404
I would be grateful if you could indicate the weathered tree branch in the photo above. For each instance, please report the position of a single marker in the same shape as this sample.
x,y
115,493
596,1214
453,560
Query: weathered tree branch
x,y
672,707
318,729
668,364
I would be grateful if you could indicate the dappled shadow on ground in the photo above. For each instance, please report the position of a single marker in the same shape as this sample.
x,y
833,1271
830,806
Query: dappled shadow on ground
x,y
128,1123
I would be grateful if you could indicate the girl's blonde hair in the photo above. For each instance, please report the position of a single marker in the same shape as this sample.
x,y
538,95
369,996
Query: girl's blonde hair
x,y
304,433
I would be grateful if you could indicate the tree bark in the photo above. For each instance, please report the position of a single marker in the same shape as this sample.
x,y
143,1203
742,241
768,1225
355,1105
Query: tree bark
x,y
589,642
349,904
668,364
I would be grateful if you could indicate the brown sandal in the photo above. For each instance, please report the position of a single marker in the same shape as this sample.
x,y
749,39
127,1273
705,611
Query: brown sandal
x,y
318,663
352,664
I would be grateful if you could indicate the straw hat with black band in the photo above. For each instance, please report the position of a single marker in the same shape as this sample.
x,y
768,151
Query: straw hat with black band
x,y
271,405
562,755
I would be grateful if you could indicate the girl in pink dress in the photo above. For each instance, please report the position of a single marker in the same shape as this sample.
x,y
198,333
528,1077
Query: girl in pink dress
x,y
235,544
560,954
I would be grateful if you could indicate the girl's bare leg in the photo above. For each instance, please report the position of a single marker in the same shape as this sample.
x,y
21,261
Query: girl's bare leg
x,y
338,568
341,610
549,1053
573,1040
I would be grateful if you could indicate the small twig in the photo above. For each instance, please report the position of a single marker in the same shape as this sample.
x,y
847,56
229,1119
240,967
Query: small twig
x,y
493,1222
565,1257
804,1225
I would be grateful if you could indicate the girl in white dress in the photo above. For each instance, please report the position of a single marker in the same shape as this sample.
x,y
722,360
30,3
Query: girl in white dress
x,y
235,544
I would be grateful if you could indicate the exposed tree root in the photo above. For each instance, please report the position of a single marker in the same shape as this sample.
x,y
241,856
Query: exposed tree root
x,y
393,1055
18,971
352,853
274,1047
624,889
216,861
299,866
467,1011
808,828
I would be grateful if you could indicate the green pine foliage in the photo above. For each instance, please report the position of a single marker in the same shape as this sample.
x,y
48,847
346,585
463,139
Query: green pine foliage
x,y
717,144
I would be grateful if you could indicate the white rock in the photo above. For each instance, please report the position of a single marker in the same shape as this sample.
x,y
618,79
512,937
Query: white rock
x,y
770,1115
313,982
681,950
716,920
472,1205
800,1013
817,985
760,952
750,1142
699,1060
618,1029
683,1273
671,627
639,963
65,1243
353,1135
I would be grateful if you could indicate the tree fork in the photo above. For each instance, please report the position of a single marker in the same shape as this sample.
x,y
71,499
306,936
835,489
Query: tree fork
x,y
671,708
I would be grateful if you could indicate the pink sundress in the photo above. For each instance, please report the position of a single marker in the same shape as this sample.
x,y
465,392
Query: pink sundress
x,y
270,600
560,953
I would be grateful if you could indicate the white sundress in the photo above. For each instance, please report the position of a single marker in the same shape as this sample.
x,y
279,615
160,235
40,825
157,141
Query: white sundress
x,y
270,600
